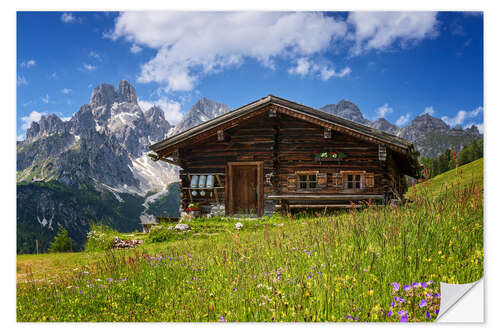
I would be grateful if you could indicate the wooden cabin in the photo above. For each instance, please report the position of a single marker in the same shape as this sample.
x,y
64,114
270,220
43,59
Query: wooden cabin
x,y
275,154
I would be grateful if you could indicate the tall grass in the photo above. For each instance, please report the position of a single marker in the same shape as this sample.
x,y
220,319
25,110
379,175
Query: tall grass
x,y
341,267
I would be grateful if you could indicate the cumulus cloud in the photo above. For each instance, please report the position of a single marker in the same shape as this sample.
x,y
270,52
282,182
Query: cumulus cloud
x,y
306,67
171,109
461,116
135,48
403,120
34,116
429,110
380,30
66,91
20,137
69,18
384,110
190,45
65,118
21,80
28,63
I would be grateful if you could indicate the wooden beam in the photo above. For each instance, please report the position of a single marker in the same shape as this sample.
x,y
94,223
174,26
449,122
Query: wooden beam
x,y
305,196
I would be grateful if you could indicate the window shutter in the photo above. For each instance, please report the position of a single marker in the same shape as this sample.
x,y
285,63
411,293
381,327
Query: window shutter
x,y
322,180
337,180
369,180
292,182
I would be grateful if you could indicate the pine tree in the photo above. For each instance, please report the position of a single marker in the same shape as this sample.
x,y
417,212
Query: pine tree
x,y
62,242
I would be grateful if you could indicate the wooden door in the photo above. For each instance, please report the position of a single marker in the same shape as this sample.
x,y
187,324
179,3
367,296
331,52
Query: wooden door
x,y
245,188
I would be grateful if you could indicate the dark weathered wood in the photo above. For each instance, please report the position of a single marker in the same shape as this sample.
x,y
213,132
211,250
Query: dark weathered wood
x,y
315,197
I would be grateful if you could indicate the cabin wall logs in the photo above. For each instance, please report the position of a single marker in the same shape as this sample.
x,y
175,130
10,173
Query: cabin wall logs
x,y
286,146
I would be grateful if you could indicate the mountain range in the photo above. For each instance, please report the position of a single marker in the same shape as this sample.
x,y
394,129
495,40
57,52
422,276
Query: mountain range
x,y
94,167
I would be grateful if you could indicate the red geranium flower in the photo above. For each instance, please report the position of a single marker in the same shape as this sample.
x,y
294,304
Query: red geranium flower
x,y
315,152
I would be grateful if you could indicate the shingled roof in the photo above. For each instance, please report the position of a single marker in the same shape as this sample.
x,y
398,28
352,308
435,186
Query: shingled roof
x,y
383,137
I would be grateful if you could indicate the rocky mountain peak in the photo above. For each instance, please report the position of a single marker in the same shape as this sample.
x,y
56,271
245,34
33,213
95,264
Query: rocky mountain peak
x,y
103,94
384,125
126,93
346,109
47,125
203,110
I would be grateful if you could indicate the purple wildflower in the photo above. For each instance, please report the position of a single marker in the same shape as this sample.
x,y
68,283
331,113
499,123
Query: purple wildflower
x,y
437,311
110,280
427,315
349,317
356,318
423,303
417,284
389,313
424,285
308,253
404,319
222,319
309,276
392,304
402,312
437,295
395,286
407,287
399,299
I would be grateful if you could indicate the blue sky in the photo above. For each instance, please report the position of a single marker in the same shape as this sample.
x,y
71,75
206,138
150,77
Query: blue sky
x,y
392,64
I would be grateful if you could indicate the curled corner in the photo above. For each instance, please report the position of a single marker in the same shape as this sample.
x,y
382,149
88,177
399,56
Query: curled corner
x,y
462,302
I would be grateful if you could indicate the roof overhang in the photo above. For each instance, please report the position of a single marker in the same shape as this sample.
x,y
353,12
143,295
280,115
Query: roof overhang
x,y
231,119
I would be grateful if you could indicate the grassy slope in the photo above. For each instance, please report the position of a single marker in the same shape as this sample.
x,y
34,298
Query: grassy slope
x,y
312,269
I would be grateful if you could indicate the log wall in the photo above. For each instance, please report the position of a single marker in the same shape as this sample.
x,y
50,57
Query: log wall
x,y
286,145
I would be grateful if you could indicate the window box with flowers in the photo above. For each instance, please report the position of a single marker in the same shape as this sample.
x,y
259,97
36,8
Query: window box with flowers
x,y
193,209
329,156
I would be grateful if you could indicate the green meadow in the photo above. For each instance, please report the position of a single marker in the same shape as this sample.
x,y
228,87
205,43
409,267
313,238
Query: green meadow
x,y
370,264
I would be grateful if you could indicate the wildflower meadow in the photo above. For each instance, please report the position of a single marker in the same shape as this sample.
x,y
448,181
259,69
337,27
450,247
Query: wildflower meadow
x,y
372,264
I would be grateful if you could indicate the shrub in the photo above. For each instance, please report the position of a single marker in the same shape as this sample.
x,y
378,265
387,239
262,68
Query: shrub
x,y
100,237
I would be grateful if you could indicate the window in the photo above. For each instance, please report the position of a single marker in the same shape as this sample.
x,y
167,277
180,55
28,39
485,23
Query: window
x,y
354,181
307,181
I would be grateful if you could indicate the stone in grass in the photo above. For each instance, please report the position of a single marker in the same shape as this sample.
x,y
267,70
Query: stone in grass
x,y
238,226
182,227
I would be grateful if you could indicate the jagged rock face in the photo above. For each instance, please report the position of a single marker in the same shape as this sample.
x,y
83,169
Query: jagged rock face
x,y
422,125
384,125
45,127
104,142
202,111
346,109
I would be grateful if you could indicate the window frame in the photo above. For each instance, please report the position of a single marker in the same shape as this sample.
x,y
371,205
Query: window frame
x,y
308,181
346,182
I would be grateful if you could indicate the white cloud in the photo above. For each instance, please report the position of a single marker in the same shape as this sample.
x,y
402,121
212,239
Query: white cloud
x,y
66,91
20,137
384,110
45,99
34,116
65,118
429,110
171,109
21,80
403,120
135,48
461,116
193,44
69,18
380,30
89,85
53,75
28,63
95,55
89,67
306,67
